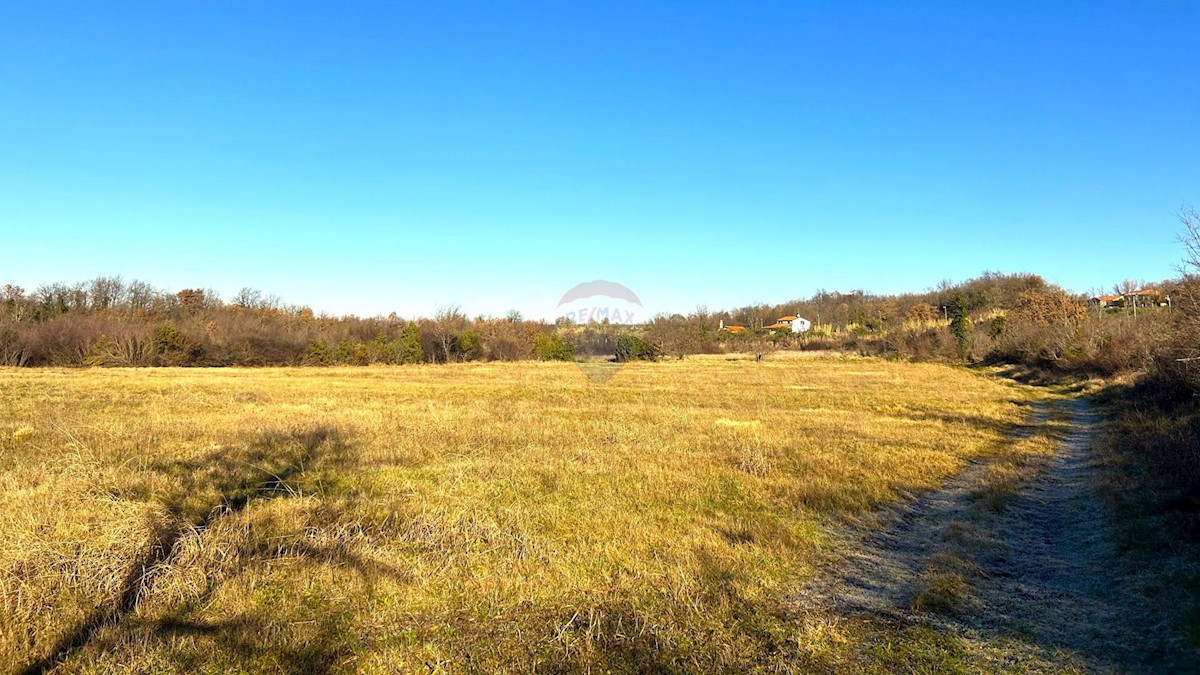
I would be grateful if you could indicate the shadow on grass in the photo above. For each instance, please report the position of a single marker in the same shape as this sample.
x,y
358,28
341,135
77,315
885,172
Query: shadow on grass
x,y
218,484
250,642
999,427
270,639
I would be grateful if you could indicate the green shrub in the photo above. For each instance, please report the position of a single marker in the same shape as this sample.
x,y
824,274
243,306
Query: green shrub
x,y
168,338
996,326
960,326
318,354
381,350
469,345
173,347
552,348
633,348
411,350
351,352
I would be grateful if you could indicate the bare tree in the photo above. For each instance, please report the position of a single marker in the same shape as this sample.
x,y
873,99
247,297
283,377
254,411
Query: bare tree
x,y
13,298
674,336
106,292
140,296
1190,239
1128,286
1185,343
447,324
248,298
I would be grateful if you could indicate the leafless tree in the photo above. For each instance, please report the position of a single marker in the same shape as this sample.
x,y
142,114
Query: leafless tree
x,y
1185,344
1128,286
1190,239
12,298
106,292
448,323
140,296
248,298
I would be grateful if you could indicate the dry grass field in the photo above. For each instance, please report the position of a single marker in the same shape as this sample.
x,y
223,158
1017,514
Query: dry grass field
x,y
465,518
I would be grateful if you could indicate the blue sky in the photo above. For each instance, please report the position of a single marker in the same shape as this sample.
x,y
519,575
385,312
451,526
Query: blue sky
x,y
370,157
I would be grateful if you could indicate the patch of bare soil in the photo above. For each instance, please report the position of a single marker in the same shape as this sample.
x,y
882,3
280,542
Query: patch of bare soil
x,y
1038,585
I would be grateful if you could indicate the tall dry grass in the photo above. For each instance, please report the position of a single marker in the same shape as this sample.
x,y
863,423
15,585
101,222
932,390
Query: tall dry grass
x,y
468,517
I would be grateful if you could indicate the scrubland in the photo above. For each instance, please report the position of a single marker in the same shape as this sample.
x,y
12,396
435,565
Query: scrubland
x,y
468,517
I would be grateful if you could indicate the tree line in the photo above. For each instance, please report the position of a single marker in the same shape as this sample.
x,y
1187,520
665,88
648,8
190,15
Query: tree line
x,y
110,322
1014,318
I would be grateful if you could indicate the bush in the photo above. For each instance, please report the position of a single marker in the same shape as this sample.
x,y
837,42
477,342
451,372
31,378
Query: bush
x,y
1155,427
411,350
469,347
168,338
318,354
382,350
633,348
996,326
124,351
922,312
1047,308
12,350
552,348
351,352
173,347
929,344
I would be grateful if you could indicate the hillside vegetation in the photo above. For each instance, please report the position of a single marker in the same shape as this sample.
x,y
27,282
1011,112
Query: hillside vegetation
x,y
995,318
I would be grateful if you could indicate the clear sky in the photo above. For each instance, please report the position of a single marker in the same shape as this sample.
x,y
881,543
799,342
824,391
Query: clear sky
x,y
365,157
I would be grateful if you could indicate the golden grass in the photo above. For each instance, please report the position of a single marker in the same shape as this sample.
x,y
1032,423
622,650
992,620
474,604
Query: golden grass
x,y
474,517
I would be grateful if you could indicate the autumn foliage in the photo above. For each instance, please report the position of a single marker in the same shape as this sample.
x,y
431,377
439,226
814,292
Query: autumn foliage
x,y
1000,318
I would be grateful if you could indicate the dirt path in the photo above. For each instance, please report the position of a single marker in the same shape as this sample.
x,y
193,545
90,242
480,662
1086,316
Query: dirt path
x,y
1047,586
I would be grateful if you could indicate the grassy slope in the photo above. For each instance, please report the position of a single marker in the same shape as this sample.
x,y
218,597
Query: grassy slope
x,y
469,517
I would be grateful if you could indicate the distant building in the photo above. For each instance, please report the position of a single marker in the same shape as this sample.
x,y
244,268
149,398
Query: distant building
x,y
1142,297
1145,297
796,324
801,325
1107,300
782,322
